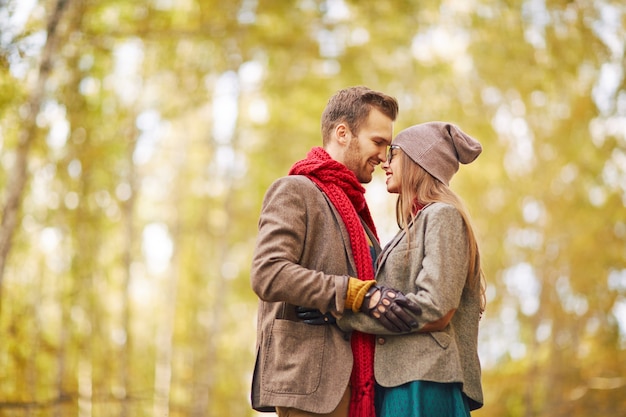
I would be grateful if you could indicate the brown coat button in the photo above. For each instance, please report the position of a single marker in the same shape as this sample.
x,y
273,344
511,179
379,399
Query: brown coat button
x,y
381,340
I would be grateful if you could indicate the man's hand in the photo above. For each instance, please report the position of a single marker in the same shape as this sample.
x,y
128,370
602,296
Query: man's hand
x,y
382,304
314,316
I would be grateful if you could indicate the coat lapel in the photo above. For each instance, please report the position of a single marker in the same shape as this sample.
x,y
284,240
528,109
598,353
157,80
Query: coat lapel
x,y
397,239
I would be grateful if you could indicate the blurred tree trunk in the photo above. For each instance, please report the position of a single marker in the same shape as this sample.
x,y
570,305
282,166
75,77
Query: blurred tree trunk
x,y
129,220
27,135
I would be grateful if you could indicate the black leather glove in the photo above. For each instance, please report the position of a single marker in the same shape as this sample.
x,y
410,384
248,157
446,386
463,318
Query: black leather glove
x,y
391,309
314,316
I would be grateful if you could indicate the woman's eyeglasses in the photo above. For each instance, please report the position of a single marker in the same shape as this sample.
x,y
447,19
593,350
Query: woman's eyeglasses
x,y
390,153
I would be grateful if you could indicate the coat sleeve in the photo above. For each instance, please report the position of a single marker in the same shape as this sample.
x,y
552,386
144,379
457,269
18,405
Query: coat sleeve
x,y
362,322
440,281
292,205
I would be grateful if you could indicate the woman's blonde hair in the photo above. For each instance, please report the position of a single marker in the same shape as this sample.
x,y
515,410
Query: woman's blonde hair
x,y
418,186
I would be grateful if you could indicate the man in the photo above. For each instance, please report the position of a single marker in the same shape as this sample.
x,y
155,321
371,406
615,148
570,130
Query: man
x,y
315,251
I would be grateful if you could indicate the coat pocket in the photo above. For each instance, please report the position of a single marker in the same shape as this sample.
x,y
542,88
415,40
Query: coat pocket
x,y
442,338
293,358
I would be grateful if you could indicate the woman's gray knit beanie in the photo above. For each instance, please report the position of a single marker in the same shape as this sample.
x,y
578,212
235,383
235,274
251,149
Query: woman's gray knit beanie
x,y
438,147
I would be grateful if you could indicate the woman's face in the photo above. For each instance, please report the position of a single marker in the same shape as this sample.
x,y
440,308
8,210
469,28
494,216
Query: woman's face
x,y
392,169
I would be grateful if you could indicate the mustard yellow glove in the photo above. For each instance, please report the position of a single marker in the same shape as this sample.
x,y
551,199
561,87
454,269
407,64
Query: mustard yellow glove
x,y
356,292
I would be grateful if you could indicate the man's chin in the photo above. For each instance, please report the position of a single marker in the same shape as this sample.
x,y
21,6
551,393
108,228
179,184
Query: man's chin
x,y
365,179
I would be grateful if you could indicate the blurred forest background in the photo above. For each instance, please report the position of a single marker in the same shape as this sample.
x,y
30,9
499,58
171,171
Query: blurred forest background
x,y
137,139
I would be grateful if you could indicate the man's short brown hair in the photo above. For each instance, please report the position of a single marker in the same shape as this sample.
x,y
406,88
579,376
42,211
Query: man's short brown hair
x,y
352,105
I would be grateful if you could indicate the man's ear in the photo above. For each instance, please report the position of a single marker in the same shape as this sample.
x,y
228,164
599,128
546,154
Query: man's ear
x,y
343,133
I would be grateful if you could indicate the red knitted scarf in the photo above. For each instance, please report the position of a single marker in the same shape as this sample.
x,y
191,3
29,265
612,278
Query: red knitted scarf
x,y
347,195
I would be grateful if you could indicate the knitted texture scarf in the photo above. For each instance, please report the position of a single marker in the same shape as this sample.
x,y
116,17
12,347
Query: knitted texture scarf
x,y
348,196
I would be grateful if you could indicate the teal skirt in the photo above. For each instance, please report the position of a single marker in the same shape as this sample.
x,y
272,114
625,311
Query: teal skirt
x,y
422,399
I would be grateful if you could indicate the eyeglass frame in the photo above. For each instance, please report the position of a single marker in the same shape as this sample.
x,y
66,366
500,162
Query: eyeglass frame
x,y
390,152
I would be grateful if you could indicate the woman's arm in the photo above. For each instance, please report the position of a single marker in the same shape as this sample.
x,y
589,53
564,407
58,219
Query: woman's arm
x,y
438,325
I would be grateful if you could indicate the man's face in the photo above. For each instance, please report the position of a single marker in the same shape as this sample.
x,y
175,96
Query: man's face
x,y
369,148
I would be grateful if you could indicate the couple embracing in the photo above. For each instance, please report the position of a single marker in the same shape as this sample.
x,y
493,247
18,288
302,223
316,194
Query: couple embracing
x,y
346,328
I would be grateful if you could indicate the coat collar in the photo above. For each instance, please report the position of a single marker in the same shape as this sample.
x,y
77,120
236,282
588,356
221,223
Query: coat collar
x,y
397,238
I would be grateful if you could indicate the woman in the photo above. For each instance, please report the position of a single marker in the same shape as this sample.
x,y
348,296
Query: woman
x,y
432,370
